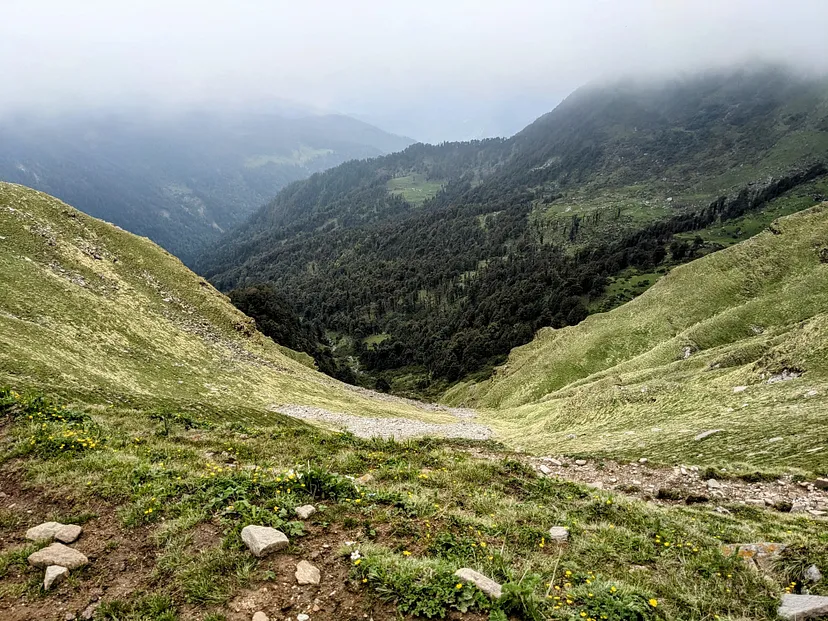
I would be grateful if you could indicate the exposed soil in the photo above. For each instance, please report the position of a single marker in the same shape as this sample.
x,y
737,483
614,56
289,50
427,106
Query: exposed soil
x,y
680,484
122,563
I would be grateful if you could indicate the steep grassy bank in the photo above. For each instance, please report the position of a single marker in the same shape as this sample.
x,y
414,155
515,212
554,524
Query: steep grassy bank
x,y
733,341
92,313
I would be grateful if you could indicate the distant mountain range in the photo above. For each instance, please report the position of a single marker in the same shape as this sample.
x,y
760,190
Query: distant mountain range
x,y
431,264
179,179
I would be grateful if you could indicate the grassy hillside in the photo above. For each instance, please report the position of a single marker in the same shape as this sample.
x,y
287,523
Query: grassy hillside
x,y
168,450
93,313
700,350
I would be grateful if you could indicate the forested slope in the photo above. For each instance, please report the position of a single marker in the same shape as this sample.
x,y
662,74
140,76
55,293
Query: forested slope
x,y
433,263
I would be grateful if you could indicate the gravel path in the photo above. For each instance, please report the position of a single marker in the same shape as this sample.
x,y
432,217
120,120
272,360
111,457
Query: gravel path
x,y
397,428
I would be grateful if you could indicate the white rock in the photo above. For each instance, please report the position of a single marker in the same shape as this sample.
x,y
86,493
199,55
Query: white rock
x,y
305,511
43,532
555,462
797,607
58,554
812,574
260,616
706,434
580,462
302,617
643,460
262,540
485,584
559,533
307,573
54,574
68,533
545,469
739,388
713,484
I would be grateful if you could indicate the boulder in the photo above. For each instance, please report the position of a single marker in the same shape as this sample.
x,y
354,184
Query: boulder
x,y
54,574
559,534
485,584
305,511
307,573
797,607
45,531
262,540
58,554
68,533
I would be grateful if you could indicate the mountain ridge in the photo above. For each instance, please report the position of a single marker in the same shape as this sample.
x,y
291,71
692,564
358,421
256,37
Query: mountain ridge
x,y
450,255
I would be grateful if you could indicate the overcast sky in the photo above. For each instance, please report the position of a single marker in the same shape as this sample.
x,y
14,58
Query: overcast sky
x,y
383,59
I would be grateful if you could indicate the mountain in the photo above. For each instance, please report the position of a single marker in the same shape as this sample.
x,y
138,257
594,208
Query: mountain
x,y
180,179
734,341
431,264
138,405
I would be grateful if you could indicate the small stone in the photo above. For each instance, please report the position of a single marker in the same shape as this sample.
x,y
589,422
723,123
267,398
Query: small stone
x,y
302,617
545,469
571,436
365,478
554,462
262,540
559,533
643,460
580,462
707,434
89,612
797,607
739,388
68,533
260,616
58,554
756,502
43,532
485,584
305,511
54,574
812,574
307,573
713,484
799,506
69,616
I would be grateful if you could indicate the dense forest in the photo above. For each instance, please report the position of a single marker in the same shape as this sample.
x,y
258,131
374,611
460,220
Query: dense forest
x,y
434,262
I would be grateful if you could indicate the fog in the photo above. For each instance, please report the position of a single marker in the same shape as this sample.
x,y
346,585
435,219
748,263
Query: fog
x,y
431,69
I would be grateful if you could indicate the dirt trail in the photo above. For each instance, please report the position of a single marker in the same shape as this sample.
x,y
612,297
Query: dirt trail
x,y
397,428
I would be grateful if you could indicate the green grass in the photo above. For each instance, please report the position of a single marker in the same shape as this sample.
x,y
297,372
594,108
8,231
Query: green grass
x,y
375,339
620,383
414,188
432,508
136,328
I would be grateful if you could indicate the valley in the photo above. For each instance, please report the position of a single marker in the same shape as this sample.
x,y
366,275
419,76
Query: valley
x,y
615,322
